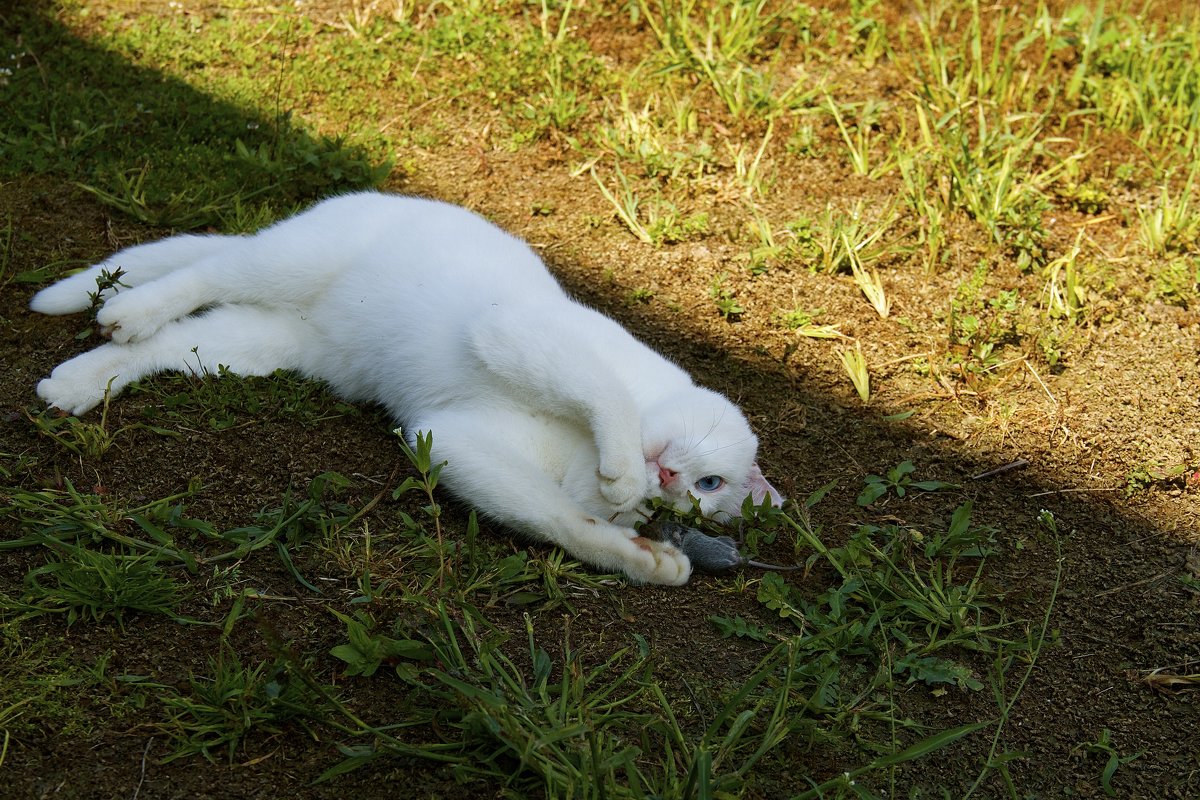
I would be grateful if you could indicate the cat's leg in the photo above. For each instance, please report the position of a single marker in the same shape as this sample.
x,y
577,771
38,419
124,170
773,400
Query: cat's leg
x,y
485,467
246,340
285,265
553,365
135,266
138,313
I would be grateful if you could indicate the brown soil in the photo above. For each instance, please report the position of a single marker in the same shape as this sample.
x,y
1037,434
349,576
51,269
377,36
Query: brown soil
x,y
1125,396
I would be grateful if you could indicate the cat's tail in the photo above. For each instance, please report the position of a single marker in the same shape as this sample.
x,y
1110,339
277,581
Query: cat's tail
x,y
129,267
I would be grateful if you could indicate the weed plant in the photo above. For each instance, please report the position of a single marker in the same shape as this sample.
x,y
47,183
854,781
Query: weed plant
x,y
218,710
89,585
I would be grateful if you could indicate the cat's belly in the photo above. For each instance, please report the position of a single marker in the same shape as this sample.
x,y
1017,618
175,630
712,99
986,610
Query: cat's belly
x,y
554,444
558,449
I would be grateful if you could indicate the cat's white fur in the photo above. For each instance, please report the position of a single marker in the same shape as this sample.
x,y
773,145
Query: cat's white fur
x,y
553,419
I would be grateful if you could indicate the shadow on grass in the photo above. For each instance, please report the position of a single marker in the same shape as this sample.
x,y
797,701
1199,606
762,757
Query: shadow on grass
x,y
150,145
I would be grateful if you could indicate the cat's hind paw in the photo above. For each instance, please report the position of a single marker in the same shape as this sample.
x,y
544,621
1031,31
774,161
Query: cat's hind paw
x,y
79,385
133,316
69,397
658,563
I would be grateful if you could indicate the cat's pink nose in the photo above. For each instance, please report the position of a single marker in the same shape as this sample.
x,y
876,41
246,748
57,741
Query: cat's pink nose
x,y
666,476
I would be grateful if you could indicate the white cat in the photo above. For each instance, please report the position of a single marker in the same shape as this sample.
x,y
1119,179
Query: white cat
x,y
555,421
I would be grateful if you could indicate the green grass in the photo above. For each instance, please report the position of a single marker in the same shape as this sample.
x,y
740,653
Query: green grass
x,y
863,140
147,142
901,607
225,401
720,43
855,365
220,709
38,686
89,585
904,607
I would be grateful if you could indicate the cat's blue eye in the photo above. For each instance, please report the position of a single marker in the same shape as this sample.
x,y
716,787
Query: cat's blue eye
x,y
710,483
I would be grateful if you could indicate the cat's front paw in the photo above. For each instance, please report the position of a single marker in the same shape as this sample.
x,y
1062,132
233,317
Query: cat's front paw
x,y
624,482
624,492
658,562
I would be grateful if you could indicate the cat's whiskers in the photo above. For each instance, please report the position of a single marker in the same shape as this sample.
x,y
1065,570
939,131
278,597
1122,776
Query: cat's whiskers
x,y
727,446
686,437
716,424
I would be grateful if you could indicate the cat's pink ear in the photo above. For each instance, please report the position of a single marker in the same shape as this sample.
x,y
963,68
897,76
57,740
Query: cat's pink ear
x,y
759,488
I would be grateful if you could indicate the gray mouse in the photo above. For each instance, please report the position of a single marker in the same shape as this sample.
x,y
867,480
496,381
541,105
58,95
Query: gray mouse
x,y
711,554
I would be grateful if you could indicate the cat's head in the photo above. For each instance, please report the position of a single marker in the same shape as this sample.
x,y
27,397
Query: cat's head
x,y
698,444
